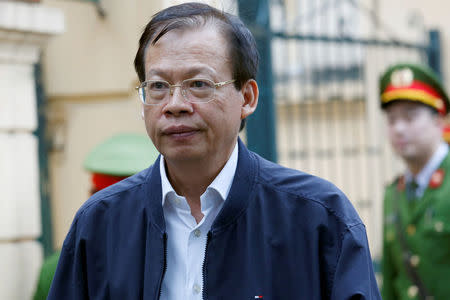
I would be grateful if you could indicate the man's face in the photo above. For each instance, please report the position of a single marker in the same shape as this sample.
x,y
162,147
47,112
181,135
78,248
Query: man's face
x,y
414,130
194,132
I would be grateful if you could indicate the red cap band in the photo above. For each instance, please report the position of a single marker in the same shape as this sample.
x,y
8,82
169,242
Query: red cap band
x,y
101,181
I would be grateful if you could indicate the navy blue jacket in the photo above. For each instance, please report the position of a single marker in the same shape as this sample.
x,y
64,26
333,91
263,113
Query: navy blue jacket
x,y
281,234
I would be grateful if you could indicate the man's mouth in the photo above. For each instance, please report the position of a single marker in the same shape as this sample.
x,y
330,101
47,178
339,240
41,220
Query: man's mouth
x,y
180,131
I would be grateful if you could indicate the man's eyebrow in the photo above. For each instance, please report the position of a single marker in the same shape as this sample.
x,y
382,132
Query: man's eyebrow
x,y
155,72
197,70
189,72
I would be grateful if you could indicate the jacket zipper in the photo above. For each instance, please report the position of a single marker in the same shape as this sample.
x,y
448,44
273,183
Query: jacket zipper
x,y
164,264
204,293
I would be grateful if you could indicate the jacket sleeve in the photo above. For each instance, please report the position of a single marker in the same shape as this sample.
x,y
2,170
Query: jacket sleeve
x,y
354,277
70,282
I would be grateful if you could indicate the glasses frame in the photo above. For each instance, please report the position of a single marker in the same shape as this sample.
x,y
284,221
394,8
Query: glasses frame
x,y
141,89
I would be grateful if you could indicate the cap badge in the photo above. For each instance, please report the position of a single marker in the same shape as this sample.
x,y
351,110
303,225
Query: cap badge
x,y
402,77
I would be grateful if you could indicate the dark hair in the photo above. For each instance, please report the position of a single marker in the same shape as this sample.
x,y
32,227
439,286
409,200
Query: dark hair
x,y
241,43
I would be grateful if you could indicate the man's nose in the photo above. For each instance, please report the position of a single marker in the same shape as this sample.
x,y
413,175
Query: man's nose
x,y
177,104
399,126
173,87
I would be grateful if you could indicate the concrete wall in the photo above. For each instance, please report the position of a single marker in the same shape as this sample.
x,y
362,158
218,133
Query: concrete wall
x,y
24,28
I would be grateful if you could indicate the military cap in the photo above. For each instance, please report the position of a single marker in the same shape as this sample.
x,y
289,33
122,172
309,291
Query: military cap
x,y
411,82
118,157
122,155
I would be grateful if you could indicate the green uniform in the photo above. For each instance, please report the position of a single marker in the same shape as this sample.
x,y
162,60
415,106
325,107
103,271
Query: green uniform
x,y
426,226
46,276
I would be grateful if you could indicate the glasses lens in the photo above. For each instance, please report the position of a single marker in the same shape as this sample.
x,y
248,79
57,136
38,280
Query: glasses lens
x,y
198,90
155,91
141,91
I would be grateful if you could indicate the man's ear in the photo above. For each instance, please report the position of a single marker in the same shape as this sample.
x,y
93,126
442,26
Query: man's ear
x,y
250,93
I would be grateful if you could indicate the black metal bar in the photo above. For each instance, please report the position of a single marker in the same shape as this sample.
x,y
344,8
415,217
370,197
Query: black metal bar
x,y
261,124
347,40
46,238
434,52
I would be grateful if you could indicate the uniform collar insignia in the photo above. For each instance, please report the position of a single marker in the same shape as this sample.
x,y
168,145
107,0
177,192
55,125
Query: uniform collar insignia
x,y
436,179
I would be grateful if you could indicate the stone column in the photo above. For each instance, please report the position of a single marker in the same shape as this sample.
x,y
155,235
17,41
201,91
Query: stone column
x,y
24,29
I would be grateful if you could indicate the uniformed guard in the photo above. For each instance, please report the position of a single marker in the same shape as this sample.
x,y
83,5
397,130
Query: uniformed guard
x,y
116,158
416,250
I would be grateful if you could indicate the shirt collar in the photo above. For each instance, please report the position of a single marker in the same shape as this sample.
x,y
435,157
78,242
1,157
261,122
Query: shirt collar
x,y
222,182
424,176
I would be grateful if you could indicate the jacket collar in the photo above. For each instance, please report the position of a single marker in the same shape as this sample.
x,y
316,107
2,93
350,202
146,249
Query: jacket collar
x,y
153,192
424,177
235,204
241,189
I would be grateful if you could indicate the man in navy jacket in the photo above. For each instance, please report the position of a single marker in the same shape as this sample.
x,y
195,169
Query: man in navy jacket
x,y
210,219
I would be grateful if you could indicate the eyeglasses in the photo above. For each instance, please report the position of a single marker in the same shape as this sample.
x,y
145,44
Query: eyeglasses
x,y
196,90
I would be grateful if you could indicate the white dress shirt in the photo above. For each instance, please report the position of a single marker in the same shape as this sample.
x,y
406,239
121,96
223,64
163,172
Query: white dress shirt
x,y
423,177
186,240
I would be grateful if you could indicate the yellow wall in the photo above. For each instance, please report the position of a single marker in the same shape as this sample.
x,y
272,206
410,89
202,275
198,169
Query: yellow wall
x,y
95,55
79,125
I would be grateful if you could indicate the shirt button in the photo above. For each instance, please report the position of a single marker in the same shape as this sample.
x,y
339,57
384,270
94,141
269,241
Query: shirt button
x,y
413,291
177,200
439,226
414,260
197,232
197,289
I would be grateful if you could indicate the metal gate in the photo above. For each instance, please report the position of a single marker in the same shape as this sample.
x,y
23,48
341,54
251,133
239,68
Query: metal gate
x,y
324,59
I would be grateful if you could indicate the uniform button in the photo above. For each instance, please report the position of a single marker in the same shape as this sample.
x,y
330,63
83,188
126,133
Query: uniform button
x,y
414,260
413,291
177,200
197,232
411,229
197,289
439,226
